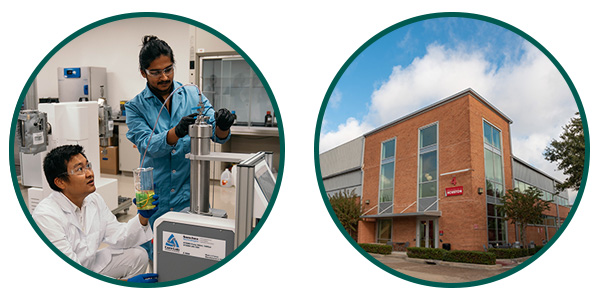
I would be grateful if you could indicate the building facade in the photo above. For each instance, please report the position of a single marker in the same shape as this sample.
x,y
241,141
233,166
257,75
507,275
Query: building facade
x,y
436,177
341,168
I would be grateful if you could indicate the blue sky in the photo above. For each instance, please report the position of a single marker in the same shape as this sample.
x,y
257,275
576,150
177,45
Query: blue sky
x,y
423,62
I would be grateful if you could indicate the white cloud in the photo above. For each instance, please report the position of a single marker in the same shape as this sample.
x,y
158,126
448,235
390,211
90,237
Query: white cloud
x,y
530,91
335,99
344,133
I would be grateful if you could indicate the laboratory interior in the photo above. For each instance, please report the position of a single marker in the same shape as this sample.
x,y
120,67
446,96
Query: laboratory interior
x,y
78,97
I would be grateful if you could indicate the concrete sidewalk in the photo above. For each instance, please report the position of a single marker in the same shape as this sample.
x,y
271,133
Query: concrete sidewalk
x,y
444,272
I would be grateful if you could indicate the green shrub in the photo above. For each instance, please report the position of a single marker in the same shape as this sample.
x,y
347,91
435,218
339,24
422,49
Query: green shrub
x,y
377,248
426,253
508,253
463,256
514,252
471,257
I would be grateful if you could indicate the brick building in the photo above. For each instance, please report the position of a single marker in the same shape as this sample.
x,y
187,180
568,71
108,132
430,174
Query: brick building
x,y
435,177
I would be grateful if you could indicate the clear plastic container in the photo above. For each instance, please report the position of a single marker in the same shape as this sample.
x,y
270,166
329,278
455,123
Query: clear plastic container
x,y
143,183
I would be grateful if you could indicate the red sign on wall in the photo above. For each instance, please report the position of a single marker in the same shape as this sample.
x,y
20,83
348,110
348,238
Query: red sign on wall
x,y
454,191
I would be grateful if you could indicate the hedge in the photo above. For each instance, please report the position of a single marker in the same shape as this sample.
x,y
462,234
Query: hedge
x,y
426,253
472,257
514,252
463,256
377,248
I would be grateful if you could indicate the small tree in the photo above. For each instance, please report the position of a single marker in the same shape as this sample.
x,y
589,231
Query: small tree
x,y
347,209
523,208
569,152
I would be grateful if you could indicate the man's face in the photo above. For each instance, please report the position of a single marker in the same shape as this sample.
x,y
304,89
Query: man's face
x,y
160,74
81,179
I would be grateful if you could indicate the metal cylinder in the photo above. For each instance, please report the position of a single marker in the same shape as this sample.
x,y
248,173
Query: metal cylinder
x,y
200,135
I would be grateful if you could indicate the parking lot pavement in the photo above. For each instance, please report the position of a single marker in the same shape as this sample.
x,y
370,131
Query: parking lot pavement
x,y
439,273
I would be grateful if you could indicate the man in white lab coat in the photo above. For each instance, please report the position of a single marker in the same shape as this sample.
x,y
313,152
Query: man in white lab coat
x,y
77,221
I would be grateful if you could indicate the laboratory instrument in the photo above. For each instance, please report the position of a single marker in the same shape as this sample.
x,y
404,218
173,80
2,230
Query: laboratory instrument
x,y
81,84
32,131
186,243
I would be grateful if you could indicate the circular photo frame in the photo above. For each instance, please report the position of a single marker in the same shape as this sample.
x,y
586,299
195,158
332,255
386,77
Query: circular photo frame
x,y
437,136
98,73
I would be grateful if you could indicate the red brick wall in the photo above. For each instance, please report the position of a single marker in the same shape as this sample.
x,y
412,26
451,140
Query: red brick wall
x,y
460,146
367,231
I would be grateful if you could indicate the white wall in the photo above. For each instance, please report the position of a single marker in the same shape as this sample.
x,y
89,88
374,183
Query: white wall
x,y
116,46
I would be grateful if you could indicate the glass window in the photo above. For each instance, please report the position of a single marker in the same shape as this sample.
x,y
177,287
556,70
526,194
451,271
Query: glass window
x,y
428,189
388,149
496,138
428,166
522,186
489,163
386,175
428,136
487,133
495,182
230,82
499,190
386,195
491,136
492,230
489,188
384,231
497,167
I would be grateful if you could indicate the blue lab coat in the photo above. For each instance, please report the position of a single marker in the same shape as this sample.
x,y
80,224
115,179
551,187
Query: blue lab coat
x,y
171,168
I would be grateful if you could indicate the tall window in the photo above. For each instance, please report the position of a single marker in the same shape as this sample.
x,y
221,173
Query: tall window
x,y
494,182
384,231
428,168
386,175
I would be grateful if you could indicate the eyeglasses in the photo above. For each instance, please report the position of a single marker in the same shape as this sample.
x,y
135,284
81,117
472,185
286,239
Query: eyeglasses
x,y
80,170
157,73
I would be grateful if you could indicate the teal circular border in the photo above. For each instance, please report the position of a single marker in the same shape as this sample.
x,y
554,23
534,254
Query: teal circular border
x,y
435,16
163,16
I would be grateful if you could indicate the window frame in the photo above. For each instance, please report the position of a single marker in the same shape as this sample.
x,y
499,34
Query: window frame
x,y
501,227
425,150
385,161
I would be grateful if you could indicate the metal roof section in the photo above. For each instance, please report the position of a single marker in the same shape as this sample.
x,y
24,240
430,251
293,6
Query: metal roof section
x,y
342,159
526,176
440,103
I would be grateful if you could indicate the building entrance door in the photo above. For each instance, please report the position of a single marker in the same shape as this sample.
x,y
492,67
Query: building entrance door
x,y
426,230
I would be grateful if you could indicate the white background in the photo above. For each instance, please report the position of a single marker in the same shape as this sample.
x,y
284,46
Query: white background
x,y
299,47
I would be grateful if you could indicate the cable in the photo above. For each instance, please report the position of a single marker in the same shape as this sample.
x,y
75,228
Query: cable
x,y
161,108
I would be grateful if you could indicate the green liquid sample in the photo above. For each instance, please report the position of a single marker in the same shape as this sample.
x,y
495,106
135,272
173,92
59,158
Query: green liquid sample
x,y
144,200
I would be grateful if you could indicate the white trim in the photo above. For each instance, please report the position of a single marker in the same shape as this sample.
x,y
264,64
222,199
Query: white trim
x,y
408,207
454,172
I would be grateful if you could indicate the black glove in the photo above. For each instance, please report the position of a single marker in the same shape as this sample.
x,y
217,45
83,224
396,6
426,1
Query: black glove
x,y
224,119
182,129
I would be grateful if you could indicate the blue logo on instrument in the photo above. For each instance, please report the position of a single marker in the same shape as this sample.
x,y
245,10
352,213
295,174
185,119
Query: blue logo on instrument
x,y
172,242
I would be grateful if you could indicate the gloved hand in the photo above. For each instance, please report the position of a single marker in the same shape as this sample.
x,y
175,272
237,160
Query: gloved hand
x,y
144,278
182,129
148,213
224,119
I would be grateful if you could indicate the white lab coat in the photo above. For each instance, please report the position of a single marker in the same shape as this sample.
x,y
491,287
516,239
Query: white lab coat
x,y
57,218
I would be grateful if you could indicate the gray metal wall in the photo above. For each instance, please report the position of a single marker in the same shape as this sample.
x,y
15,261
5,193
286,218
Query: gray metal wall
x,y
341,167
528,174
348,181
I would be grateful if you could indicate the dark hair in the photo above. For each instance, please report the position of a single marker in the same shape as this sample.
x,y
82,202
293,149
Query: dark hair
x,y
152,48
55,163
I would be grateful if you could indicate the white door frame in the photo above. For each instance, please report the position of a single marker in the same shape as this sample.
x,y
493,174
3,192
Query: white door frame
x,y
427,230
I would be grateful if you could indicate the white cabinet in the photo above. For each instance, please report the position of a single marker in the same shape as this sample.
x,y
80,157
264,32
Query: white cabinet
x,y
129,156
